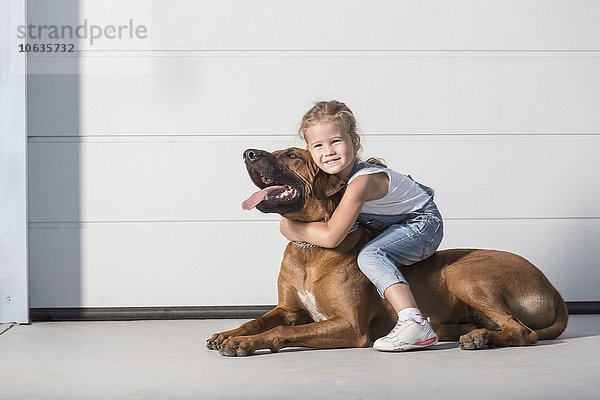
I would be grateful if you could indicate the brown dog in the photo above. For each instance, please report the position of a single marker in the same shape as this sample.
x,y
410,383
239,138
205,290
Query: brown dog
x,y
479,297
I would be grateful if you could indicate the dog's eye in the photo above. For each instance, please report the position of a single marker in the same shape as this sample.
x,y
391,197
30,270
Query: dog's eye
x,y
292,155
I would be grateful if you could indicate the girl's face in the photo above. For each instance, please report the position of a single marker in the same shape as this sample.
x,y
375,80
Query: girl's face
x,y
331,148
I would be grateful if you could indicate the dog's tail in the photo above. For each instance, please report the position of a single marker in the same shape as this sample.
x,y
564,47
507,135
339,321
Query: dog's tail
x,y
561,318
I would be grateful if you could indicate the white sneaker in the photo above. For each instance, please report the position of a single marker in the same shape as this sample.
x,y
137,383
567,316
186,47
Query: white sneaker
x,y
407,335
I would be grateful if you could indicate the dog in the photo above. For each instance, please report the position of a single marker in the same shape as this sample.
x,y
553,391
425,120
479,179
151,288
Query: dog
x,y
476,297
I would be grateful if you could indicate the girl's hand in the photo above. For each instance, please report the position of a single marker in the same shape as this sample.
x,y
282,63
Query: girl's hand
x,y
287,227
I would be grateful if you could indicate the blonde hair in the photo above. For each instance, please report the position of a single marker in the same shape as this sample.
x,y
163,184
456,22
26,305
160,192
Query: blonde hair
x,y
335,111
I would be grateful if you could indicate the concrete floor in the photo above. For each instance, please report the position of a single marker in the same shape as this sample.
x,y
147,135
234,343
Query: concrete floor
x,y
168,360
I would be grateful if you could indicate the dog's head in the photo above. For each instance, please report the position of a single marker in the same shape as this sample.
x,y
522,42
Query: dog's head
x,y
291,185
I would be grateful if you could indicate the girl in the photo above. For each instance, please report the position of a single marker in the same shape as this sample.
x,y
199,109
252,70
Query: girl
x,y
398,211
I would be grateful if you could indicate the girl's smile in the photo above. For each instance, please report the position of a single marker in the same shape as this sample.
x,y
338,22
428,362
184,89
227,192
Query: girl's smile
x,y
331,148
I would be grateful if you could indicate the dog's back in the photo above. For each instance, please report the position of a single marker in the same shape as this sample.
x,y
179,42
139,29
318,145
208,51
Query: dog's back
x,y
458,283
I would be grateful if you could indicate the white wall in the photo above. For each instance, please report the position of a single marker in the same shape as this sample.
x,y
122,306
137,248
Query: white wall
x,y
136,174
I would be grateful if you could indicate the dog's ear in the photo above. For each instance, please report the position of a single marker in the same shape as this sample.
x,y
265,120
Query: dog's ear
x,y
325,185
313,169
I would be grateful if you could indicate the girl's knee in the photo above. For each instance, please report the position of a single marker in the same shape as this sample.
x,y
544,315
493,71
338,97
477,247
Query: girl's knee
x,y
368,259
363,259
375,263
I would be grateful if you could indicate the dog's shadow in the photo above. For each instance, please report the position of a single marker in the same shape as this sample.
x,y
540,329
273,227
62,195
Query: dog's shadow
x,y
575,335
439,346
447,345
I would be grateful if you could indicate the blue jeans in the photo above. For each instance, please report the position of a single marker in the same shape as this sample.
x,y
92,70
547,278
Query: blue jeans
x,y
400,240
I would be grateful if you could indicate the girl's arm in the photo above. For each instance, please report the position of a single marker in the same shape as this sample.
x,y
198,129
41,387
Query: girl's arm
x,y
330,234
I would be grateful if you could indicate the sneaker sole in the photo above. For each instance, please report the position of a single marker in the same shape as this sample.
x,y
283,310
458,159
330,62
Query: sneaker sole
x,y
421,345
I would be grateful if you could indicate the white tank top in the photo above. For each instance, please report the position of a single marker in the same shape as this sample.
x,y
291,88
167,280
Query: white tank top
x,y
403,197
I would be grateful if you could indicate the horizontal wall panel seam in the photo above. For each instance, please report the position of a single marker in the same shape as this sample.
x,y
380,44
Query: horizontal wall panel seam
x,y
318,52
86,224
118,138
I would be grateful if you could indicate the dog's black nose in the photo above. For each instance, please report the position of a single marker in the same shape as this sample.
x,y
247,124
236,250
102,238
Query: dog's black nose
x,y
253,154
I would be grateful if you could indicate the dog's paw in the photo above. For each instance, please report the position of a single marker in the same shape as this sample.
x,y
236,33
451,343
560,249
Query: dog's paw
x,y
235,347
474,340
211,345
215,340
235,351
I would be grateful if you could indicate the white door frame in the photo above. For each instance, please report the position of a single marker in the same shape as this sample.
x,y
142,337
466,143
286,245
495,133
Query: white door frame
x,y
14,288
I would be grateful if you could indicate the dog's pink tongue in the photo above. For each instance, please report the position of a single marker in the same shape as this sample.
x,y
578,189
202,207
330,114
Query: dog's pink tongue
x,y
257,197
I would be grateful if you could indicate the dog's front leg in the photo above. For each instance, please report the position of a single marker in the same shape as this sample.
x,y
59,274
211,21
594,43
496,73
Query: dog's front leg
x,y
277,316
332,333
